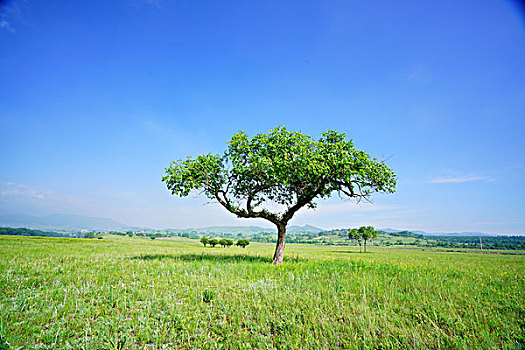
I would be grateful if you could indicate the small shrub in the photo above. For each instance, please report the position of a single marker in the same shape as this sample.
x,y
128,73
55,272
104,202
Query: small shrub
x,y
208,295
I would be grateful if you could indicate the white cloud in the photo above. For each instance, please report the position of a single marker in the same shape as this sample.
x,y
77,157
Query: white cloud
x,y
22,198
351,207
12,14
420,75
154,3
459,179
6,25
10,190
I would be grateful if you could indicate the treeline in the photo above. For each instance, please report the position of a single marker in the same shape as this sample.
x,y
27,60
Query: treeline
x,y
404,234
488,242
30,232
224,242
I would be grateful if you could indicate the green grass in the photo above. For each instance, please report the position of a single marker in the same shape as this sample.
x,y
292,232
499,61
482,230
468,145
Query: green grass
x,y
131,293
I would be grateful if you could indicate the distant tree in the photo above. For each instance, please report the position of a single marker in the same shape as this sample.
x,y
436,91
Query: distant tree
x,y
205,241
242,243
129,233
223,242
229,242
355,234
282,167
213,242
152,237
89,235
368,233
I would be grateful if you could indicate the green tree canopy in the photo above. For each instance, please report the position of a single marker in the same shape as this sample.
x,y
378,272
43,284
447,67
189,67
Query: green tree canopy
x,y
355,234
224,242
287,168
242,243
364,233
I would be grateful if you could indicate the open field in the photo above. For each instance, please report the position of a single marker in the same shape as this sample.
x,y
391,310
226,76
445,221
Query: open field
x,y
128,293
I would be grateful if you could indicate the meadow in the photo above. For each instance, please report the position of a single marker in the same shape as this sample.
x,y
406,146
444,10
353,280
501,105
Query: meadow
x,y
133,293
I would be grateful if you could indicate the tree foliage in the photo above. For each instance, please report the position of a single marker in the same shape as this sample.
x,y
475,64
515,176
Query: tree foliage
x,y
355,234
289,169
205,241
364,233
225,242
242,243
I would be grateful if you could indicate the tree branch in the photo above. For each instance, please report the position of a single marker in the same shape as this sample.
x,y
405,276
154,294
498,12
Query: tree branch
x,y
249,213
301,202
361,195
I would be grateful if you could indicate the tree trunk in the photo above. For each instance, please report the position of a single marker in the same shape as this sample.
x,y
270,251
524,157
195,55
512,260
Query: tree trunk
x,y
279,248
360,247
365,245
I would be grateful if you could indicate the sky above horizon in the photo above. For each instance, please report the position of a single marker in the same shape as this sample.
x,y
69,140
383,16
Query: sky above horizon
x,y
98,97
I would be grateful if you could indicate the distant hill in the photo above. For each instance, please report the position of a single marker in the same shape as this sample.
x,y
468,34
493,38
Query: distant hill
x,y
462,234
389,230
246,230
64,222
29,232
226,229
304,229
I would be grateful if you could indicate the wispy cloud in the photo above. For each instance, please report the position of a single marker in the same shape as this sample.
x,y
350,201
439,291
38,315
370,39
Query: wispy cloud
x,y
11,14
154,3
5,25
498,223
12,191
25,199
351,207
420,75
459,179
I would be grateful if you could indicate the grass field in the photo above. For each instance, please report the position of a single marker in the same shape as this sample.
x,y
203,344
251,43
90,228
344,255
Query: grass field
x,y
132,293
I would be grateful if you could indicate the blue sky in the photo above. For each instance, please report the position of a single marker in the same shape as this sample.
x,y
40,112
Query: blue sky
x,y
97,97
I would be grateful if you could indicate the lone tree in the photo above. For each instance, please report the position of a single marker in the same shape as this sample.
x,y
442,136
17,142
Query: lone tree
x,y
364,233
355,234
368,233
288,169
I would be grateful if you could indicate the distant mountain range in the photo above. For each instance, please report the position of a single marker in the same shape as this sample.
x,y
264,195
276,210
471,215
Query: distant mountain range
x,y
63,222
463,234
248,229
225,229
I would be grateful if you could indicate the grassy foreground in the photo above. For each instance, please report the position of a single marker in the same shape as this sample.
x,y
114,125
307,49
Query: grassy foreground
x,y
131,293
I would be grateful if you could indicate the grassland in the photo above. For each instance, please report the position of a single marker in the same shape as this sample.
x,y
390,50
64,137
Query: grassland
x,y
132,293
